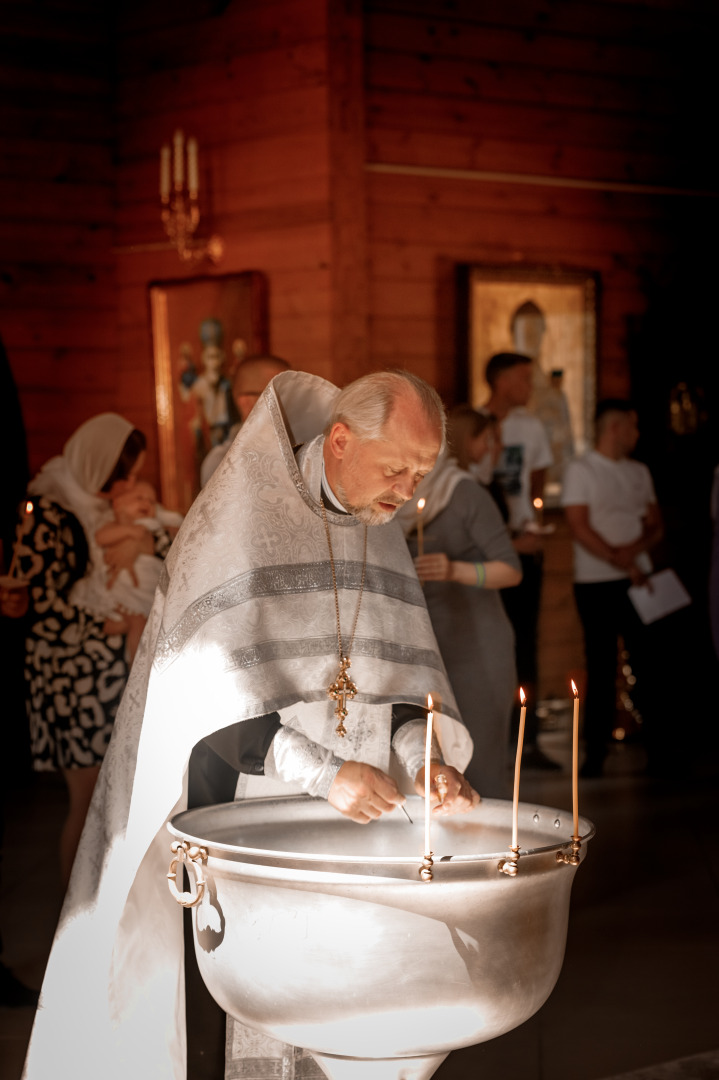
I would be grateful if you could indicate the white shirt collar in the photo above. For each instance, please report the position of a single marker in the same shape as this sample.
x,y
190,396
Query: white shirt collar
x,y
329,493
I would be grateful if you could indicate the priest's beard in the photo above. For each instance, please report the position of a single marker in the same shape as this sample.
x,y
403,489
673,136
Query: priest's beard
x,y
372,514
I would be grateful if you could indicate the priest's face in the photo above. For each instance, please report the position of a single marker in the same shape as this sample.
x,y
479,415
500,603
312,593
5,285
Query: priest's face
x,y
373,478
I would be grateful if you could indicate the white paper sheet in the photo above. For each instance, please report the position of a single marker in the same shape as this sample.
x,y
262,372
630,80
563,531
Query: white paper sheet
x,y
663,594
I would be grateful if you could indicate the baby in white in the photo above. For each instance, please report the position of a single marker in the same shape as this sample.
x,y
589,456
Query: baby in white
x,y
137,513
125,594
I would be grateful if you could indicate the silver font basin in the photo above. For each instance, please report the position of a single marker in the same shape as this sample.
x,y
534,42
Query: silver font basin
x,y
320,932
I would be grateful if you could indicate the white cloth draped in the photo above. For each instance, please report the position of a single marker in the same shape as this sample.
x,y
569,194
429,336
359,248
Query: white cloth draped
x,y
73,480
243,623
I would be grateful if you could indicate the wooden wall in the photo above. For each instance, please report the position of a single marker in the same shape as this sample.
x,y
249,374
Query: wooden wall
x,y
249,81
58,302
262,87
297,105
570,122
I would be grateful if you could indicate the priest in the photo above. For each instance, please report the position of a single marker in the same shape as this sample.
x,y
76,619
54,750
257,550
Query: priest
x,y
289,650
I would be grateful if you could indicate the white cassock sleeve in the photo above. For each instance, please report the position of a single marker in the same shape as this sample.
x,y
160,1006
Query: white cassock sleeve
x,y
294,758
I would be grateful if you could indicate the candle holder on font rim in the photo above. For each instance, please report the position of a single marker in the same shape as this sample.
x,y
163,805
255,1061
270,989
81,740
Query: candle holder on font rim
x,y
573,859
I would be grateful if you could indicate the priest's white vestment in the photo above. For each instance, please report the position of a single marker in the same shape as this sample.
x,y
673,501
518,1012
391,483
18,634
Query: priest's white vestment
x,y
243,624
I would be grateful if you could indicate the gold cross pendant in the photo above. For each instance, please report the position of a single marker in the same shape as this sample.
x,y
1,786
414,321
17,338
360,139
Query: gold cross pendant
x,y
340,690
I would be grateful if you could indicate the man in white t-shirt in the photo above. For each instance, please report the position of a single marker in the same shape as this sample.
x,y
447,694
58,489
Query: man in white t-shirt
x,y
520,472
613,515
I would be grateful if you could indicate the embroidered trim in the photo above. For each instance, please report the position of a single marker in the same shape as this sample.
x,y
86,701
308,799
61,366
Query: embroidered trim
x,y
281,580
302,648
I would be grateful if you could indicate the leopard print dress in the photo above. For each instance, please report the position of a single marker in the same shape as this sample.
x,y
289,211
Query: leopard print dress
x,y
75,673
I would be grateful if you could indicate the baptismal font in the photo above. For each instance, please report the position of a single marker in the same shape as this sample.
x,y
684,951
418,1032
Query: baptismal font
x,y
315,910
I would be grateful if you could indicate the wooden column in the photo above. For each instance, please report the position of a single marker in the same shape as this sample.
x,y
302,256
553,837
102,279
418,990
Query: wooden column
x,y
346,147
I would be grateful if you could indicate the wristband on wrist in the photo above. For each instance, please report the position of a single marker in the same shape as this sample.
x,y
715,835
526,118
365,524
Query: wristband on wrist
x,y
481,574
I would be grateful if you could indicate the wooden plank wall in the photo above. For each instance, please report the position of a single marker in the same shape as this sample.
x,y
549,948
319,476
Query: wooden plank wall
x,y
83,239
289,99
559,92
249,81
58,304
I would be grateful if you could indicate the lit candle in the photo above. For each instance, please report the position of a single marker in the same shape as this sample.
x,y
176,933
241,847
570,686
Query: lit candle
x,y
517,767
539,507
165,171
420,528
192,173
427,781
178,161
575,763
28,510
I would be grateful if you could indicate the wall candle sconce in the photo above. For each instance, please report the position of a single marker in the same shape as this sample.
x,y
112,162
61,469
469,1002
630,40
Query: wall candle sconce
x,y
180,210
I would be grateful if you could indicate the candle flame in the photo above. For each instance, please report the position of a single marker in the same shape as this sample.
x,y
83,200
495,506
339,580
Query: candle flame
x,y
522,696
29,507
574,688
420,505
430,703
538,504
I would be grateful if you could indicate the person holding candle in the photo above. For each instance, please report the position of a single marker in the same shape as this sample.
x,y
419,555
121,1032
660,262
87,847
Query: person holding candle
x,y
467,558
615,521
75,670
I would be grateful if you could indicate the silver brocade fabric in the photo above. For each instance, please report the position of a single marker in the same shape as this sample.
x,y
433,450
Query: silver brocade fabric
x,y
243,623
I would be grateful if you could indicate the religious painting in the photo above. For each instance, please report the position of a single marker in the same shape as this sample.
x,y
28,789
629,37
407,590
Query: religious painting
x,y
549,315
202,328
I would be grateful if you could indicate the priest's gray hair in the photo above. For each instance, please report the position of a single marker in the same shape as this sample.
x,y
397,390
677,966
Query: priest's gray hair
x,y
365,405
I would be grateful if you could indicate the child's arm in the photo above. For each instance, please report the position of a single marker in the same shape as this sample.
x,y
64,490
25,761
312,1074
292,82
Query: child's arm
x,y
121,554
114,532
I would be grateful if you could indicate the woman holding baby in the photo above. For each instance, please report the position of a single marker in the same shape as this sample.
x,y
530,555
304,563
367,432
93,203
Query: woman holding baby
x,y
77,662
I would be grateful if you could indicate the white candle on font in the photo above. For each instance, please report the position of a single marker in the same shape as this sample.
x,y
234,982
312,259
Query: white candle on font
x,y
192,172
28,510
427,781
178,159
517,768
420,528
575,762
165,155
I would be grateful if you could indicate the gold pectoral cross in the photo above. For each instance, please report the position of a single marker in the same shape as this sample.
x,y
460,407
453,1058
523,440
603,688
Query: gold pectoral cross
x,y
340,690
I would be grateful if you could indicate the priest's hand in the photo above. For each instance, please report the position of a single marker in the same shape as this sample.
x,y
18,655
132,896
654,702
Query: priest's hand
x,y
363,793
451,795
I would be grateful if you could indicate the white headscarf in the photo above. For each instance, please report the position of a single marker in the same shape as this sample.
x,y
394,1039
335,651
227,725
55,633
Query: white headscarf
x,y
74,478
